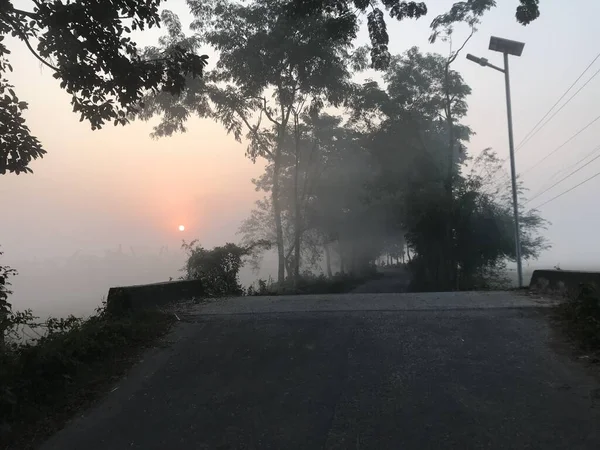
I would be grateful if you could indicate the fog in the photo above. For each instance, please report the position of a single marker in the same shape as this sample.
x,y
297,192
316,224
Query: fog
x,y
103,208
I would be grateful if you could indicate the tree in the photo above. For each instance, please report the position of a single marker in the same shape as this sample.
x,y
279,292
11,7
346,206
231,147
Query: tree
x,y
485,226
348,11
412,124
271,68
377,184
87,46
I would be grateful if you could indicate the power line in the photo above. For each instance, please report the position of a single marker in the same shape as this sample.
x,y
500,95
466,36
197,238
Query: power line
x,y
561,145
567,191
525,141
563,179
533,130
564,169
559,100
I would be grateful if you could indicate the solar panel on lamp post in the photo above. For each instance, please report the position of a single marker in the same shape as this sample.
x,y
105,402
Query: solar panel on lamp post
x,y
515,48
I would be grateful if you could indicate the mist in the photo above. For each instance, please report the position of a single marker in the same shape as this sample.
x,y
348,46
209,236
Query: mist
x,y
102,208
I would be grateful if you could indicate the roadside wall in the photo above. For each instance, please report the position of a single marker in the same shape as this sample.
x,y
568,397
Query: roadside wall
x,y
562,281
146,296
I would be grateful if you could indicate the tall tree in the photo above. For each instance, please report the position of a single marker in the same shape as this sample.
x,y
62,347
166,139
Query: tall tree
x,y
409,128
418,114
86,45
470,13
380,184
270,66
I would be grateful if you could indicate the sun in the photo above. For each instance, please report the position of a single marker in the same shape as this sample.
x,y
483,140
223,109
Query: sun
x,y
181,228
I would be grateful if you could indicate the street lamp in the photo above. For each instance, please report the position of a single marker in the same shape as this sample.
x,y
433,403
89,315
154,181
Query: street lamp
x,y
508,47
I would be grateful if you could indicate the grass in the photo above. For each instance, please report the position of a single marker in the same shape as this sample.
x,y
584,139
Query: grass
x,y
579,319
44,383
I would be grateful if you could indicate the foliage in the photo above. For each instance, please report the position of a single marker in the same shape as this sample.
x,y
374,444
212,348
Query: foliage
x,y
377,184
321,284
310,284
330,168
263,53
19,147
263,287
217,268
88,47
348,12
71,361
5,308
272,69
348,191
581,317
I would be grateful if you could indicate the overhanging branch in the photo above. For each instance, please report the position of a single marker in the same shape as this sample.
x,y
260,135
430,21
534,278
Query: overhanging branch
x,y
24,38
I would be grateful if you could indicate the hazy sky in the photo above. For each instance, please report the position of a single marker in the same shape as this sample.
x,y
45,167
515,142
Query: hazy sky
x,y
99,189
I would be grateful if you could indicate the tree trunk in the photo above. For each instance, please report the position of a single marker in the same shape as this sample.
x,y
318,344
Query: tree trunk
x,y
447,255
297,218
328,260
288,268
281,133
277,217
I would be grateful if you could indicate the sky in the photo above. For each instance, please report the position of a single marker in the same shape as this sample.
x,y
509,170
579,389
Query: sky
x,y
96,190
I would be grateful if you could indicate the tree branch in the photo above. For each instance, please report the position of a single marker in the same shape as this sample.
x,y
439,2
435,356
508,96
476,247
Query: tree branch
x,y
25,13
254,131
455,55
23,37
266,111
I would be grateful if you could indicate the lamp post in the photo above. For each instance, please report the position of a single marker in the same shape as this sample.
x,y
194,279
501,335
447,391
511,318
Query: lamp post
x,y
508,47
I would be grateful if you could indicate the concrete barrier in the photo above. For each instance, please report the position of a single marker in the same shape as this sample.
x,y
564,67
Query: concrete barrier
x,y
146,296
562,281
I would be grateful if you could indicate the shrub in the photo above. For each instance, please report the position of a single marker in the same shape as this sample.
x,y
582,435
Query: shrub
x,y
217,268
72,361
582,317
310,283
263,287
5,307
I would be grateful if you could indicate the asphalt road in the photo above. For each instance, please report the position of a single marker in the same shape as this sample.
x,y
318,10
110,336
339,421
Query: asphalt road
x,y
391,371
393,280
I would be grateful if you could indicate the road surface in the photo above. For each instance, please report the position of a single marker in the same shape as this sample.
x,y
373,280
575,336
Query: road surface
x,y
393,280
358,371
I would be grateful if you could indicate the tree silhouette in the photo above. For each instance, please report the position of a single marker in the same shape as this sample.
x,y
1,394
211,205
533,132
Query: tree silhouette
x,y
348,11
87,46
271,68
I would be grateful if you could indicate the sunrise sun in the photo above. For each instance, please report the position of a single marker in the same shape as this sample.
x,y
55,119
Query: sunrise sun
x,y
181,228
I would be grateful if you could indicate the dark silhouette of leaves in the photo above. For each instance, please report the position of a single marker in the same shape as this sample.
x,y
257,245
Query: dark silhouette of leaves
x,y
349,10
379,38
528,11
87,46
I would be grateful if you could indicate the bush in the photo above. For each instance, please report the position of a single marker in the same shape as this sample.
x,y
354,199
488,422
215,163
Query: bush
x,y
217,268
581,316
310,283
72,362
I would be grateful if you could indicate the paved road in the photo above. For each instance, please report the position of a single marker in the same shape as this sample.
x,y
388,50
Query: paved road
x,y
393,280
395,371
